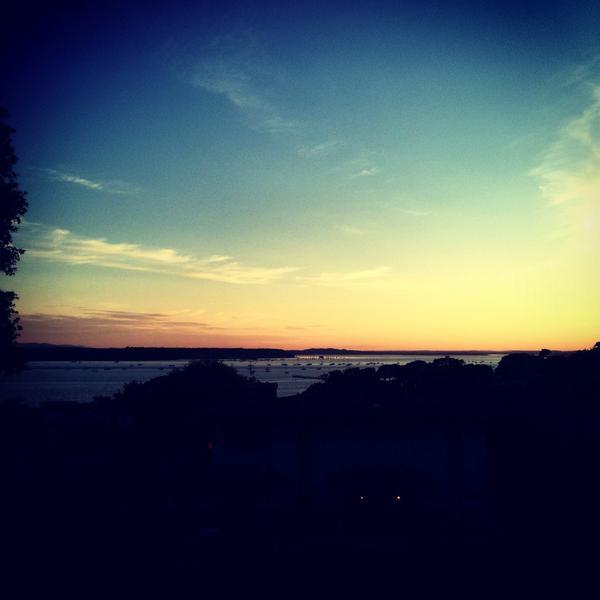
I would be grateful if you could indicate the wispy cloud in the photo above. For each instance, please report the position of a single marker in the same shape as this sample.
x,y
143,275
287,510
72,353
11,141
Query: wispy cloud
x,y
319,150
114,319
95,327
61,245
414,212
358,161
362,278
581,73
109,186
569,173
236,69
87,183
369,172
350,230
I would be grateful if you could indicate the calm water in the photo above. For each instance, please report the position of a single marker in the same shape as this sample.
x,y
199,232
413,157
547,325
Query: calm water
x,y
81,381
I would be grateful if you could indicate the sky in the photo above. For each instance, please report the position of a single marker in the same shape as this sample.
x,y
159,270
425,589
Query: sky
x,y
400,175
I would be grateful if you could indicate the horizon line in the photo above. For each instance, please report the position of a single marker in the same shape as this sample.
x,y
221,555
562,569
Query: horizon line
x,y
312,350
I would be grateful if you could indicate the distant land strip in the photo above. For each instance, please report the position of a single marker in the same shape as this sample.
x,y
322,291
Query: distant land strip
x,y
52,352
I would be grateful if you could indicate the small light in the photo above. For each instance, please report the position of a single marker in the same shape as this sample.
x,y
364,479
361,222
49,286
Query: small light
x,y
397,498
364,499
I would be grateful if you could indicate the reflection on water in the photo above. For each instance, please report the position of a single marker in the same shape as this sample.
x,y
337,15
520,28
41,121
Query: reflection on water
x,y
82,380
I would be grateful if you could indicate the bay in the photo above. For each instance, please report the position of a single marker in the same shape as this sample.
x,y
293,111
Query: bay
x,y
81,381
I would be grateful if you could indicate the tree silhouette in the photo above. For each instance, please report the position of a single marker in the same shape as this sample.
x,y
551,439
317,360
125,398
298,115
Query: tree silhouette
x,y
11,360
13,205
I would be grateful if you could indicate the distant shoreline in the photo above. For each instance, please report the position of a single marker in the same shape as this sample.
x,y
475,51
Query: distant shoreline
x,y
49,352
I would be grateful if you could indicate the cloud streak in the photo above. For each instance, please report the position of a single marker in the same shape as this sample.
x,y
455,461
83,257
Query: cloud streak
x,y
97,327
235,70
370,172
111,187
569,173
414,212
350,230
63,246
111,319
319,150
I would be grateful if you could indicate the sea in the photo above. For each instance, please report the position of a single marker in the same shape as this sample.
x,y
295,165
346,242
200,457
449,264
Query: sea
x,y
81,381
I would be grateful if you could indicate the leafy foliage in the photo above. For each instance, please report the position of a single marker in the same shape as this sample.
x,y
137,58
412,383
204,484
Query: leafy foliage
x,y
13,201
13,205
12,360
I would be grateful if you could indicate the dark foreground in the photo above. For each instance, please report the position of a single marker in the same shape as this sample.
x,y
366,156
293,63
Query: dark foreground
x,y
426,474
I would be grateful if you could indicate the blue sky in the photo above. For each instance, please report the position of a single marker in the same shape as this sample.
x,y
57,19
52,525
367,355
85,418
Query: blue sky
x,y
386,144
